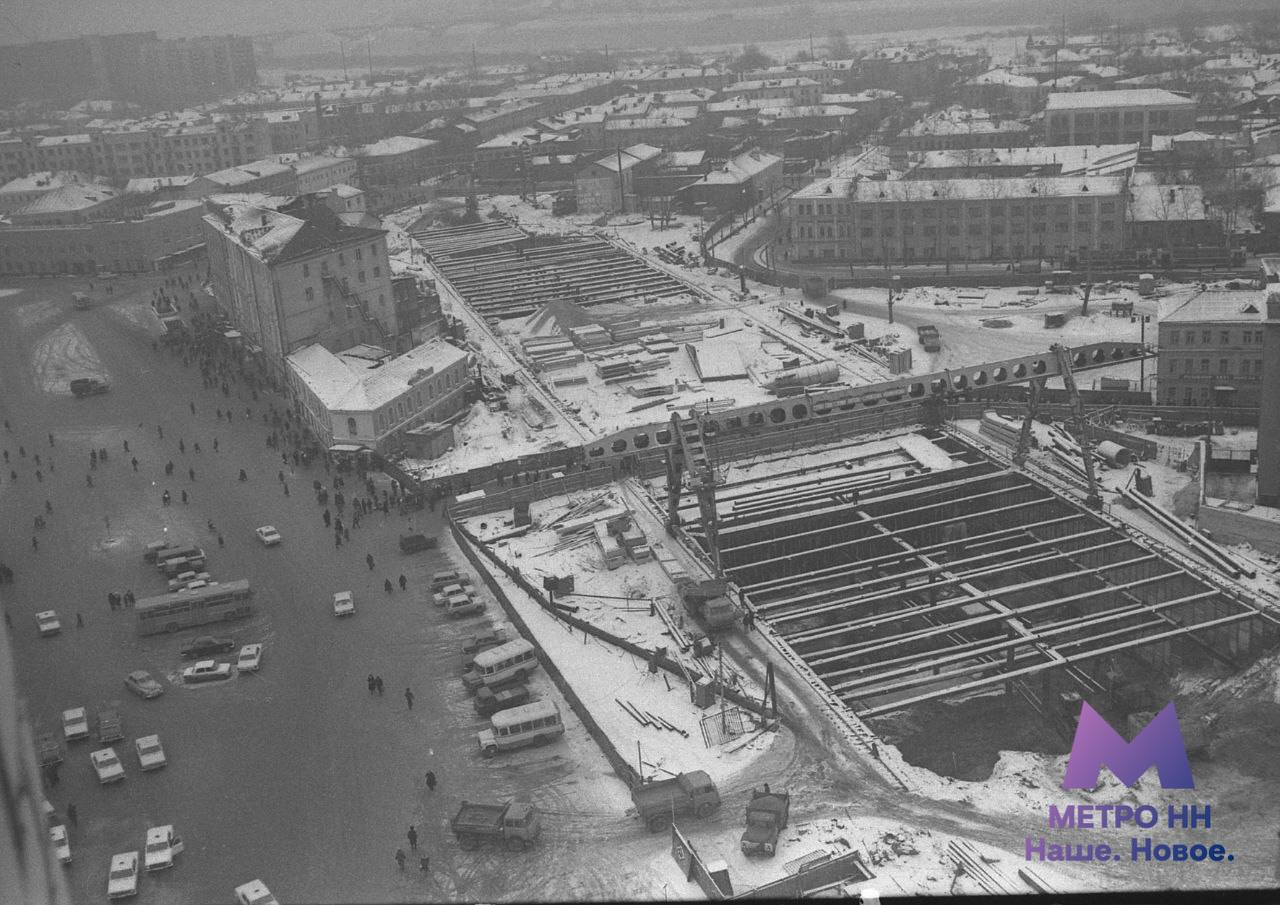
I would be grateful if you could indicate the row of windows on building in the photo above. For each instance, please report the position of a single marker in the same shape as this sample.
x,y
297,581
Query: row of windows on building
x,y
953,211
997,251
310,294
410,403
1249,367
1247,337
840,231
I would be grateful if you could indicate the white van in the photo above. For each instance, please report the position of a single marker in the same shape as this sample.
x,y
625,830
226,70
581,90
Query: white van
x,y
510,662
529,724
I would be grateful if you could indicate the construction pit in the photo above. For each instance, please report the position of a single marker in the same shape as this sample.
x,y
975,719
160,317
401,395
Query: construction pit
x,y
916,570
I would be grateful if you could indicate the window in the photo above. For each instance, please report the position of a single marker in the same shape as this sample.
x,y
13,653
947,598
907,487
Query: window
x,y
377,271
1188,365
1222,366
310,294
1173,338
306,270
1247,337
351,427
1191,338
1206,337
1204,366
360,277
1225,336
359,254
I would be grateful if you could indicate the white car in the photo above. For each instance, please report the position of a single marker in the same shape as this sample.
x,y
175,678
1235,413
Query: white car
x,y
206,671
344,604
250,659
107,765
162,846
61,845
255,892
75,723
268,535
150,753
48,623
123,879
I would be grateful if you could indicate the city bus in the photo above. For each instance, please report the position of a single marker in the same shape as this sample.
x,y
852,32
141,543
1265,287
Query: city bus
x,y
184,609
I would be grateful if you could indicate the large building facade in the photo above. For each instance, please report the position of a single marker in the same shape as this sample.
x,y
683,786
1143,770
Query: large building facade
x,y
1110,117
954,220
1211,350
299,276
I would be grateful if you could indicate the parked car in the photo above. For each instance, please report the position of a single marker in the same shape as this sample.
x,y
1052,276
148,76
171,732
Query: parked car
x,y
268,535
61,845
48,623
163,845
206,671
255,892
75,723
122,881
150,753
88,386
107,765
141,683
488,702
206,645
250,659
344,604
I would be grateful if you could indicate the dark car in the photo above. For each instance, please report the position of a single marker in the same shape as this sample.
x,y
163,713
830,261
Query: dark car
x,y
207,646
416,543
88,386
489,702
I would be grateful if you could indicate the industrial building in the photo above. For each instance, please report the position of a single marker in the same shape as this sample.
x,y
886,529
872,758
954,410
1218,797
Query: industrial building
x,y
1212,350
1108,117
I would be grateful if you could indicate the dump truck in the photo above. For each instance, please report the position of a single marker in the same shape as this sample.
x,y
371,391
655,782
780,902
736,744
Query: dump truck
x,y
767,815
110,728
514,824
707,601
659,801
929,337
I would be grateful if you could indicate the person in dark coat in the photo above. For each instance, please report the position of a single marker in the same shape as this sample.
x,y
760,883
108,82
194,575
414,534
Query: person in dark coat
x,y
403,582
400,856
431,780
408,698
369,561
412,836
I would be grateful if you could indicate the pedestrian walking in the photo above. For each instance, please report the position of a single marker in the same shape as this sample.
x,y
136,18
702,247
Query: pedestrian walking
x,y
93,458
221,541
79,621
191,474
369,561
386,586
39,476
408,698
378,680
328,518
184,498
197,447
134,463
182,447
168,469
193,407
412,836
400,856
73,816
346,534
431,781
424,864
88,479
126,445
243,475
160,431
51,439
373,686
35,544
215,444
286,489
337,539
164,498
403,582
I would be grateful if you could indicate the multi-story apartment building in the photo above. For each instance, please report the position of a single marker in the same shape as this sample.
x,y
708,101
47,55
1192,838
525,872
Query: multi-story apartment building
x,y
1211,350
905,221
798,90
1108,117
136,66
294,277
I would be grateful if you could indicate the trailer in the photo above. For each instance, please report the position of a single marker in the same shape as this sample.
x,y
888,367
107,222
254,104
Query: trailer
x,y
515,825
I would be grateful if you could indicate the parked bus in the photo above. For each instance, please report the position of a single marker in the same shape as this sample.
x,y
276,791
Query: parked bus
x,y
510,662
184,609
529,724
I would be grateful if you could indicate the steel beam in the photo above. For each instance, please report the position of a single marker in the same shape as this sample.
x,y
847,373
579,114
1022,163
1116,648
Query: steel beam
x,y
988,681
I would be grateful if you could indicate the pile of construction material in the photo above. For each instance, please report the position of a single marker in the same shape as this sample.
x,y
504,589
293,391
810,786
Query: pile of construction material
x,y
589,336
551,353
628,363
1001,429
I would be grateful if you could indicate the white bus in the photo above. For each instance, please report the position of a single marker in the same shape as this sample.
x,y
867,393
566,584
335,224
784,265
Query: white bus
x,y
510,662
184,609
529,724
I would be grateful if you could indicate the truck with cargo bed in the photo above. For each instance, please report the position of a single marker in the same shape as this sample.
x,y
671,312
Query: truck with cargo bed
x,y
515,825
706,600
767,816
658,802
929,337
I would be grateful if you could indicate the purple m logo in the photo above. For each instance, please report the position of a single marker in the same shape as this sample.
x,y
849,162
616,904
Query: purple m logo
x,y
1097,745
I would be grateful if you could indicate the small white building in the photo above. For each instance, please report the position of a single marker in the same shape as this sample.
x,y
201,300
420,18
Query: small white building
x,y
366,396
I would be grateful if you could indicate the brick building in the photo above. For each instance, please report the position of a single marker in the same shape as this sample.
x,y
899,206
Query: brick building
x,y
1108,117
1211,350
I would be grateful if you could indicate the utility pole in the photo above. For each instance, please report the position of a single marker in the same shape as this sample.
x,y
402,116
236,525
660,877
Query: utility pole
x,y
342,49
811,56
369,50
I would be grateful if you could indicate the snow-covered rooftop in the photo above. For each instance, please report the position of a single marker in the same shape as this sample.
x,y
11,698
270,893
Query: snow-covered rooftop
x,y
361,380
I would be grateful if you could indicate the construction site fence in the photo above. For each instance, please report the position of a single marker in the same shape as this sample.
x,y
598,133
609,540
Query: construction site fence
x,y
470,543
